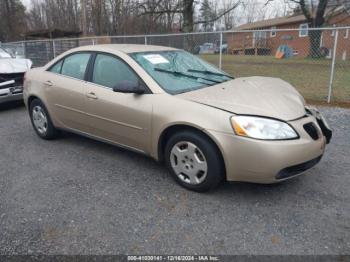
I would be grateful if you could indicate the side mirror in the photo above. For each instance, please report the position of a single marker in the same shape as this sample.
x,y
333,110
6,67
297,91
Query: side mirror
x,y
129,87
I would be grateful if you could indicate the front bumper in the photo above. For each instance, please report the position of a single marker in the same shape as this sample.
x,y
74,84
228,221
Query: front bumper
x,y
11,94
11,87
264,161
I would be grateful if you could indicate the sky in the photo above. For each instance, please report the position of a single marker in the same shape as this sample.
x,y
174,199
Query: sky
x,y
26,2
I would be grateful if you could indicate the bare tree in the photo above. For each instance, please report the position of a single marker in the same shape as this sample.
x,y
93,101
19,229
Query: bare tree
x,y
83,5
12,20
229,18
207,12
159,14
254,11
63,14
36,16
105,17
186,9
116,8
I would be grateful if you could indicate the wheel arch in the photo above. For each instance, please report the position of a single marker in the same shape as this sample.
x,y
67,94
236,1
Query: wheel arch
x,y
31,98
170,130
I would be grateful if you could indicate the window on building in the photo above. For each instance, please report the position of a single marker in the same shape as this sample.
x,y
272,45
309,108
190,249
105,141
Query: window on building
x,y
273,31
259,38
303,30
260,35
346,33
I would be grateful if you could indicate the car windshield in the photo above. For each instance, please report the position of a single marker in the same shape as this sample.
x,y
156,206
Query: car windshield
x,y
179,71
4,54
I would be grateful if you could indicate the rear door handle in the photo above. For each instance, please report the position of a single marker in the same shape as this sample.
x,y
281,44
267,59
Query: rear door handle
x,y
48,83
91,95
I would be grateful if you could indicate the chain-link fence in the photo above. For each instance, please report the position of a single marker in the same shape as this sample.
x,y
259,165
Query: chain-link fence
x,y
315,61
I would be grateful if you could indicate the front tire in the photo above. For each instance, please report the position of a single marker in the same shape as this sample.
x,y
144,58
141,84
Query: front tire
x,y
41,120
194,161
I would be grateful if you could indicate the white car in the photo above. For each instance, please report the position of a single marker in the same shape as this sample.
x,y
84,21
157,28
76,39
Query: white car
x,y
12,72
207,48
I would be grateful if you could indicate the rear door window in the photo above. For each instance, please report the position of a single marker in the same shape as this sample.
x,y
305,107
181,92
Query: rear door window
x,y
75,65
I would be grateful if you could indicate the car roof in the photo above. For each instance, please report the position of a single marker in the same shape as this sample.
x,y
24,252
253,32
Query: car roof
x,y
125,48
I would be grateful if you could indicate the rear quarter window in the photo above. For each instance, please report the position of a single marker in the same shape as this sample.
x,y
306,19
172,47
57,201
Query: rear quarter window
x,y
56,68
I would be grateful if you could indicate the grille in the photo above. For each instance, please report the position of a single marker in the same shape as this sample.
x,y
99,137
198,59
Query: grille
x,y
311,129
18,77
297,169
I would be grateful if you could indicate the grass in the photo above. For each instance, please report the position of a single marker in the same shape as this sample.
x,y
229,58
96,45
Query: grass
x,y
310,76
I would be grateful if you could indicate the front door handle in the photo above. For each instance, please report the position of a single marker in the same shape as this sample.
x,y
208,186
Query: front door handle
x,y
91,95
48,83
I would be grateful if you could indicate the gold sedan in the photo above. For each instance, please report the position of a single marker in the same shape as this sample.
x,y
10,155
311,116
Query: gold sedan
x,y
164,102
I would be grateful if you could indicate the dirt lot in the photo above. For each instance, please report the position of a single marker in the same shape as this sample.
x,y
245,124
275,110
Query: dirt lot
x,y
77,196
309,76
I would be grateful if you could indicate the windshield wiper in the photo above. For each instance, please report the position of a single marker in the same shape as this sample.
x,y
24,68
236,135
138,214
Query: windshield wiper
x,y
208,72
185,91
184,74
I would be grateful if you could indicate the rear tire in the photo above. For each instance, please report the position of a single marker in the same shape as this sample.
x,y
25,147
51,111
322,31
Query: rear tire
x,y
41,120
194,161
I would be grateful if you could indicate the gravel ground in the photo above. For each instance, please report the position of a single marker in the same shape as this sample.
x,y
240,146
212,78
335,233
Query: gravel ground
x,y
77,196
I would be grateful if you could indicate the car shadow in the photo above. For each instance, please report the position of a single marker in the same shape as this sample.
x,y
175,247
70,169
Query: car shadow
x,y
7,106
109,149
257,192
228,189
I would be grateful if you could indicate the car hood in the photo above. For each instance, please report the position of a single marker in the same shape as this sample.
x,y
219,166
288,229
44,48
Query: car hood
x,y
14,65
263,96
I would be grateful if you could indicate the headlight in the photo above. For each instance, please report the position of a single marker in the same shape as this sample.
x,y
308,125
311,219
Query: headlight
x,y
262,128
